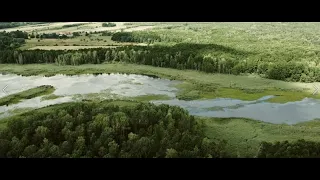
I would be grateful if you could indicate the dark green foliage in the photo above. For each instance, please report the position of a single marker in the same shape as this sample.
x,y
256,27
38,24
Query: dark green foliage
x,y
136,37
107,33
53,36
123,37
107,130
72,25
109,24
210,58
27,94
297,149
75,34
12,39
18,34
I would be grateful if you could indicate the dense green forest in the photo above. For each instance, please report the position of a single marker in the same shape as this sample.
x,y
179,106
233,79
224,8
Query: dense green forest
x,y
210,58
107,130
12,40
144,130
297,149
136,37
109,24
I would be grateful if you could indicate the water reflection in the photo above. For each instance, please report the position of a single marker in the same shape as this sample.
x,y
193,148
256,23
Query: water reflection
x,y
137,85
126,85
288,113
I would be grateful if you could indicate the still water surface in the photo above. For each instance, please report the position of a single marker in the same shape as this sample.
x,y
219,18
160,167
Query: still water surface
x,y
136,85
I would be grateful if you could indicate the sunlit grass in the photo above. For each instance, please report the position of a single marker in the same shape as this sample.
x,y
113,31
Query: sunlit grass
x,y
27,94
49,97
20,110
244,135
147,98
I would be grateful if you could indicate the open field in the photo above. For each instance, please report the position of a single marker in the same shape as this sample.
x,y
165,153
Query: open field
x,y
39,27
90,40
203,84
139,28
83,26
93,40
88,27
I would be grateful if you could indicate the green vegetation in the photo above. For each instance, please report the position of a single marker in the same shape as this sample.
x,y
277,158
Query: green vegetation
x,y
210,58
230,60
268,48
27,94
203,85
106,33
213,51
49,97
108,95
244,136
12,39
51,36
91,40
72,25
147,98
109,24
135,37
75,121
4,25
297,149
20,110
75,130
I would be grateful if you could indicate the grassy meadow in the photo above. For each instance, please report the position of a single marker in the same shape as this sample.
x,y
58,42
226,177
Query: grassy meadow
x,y
244,135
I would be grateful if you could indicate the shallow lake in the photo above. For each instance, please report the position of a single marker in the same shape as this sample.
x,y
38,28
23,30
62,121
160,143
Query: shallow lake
x,y
136,85
288,113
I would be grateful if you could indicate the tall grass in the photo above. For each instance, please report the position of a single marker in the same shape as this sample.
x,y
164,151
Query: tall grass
x,y
27,94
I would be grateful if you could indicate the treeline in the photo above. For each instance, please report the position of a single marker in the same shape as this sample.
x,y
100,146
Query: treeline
x,y
147,37
105,130
12,40
209,58
109,24
51,36
16,34
73,25
296,149
102,33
